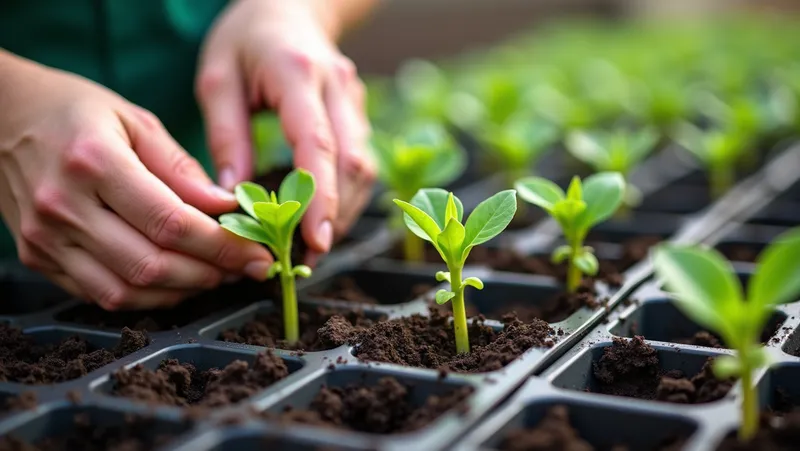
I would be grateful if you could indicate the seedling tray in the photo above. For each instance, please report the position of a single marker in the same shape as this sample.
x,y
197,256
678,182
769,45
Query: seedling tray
x,y
608,420
192,336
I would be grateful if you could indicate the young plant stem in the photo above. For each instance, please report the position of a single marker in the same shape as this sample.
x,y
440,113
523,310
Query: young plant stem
x,y
413,248
573,272
749,426
721,177
459,312
291,323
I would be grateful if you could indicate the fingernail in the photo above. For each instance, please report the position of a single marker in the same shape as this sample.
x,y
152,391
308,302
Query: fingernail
x,y
257,269
227,179
325,235
221,193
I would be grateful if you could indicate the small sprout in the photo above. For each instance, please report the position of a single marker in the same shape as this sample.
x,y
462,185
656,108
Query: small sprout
x,y
272,220
518,143
578,210
718,149
424,89
425,156
706,289
436,216
614,151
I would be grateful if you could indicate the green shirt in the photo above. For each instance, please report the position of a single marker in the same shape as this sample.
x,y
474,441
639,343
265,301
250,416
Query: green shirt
x,y
145,50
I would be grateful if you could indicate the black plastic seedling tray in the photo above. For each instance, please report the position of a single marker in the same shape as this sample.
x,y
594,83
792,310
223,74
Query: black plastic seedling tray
x,y
608,420
366,260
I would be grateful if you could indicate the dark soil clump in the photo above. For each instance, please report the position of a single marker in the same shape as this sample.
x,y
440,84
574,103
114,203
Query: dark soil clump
x,y
429,342
347,289
555,433
24,401
322,328
24,361
189,311
557,308
631,368
740,252
136,434
776,433
384,408
181,384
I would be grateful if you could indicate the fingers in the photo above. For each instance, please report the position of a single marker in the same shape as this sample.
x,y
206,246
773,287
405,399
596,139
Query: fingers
x,y
136,260
144,202
308,131
86,276
165,158
222,96
356,172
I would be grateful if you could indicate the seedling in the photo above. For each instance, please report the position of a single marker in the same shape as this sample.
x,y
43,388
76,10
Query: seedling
x,y
272,220
427,156
518,143
706,289
718,149
582,207
615,151
435,216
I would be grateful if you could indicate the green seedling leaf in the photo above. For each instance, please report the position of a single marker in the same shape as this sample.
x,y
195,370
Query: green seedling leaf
x,y
587,263
451,212
248,193
279,215
433,202
451,241
777,277
704,286
587,148
302,271
474,282
443,296
442,276
560,254
490,218
245,227
575,190
727,366
298,186
419,222
274,270
540,192
603,194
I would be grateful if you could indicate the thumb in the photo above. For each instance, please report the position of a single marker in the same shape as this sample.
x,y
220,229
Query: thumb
x,y
168,161
222,97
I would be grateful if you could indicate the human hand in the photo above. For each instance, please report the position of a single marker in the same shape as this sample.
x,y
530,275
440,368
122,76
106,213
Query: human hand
x,y
103,201
281,54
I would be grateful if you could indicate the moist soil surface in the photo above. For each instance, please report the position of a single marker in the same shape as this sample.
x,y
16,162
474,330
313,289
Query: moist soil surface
x,y
429,342
191,310
554,309
136,434
777,432
710,340
24,401
383,408
322,328
631,368
555,433
24,361
348,289
181,384
740,252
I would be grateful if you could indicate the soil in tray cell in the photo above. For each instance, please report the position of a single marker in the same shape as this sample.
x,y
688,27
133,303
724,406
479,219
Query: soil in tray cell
x,y
22,360
136,434
384,408
429,342
344,288
322,328
557,308
777,432
631,368
181,384
555,433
